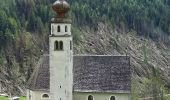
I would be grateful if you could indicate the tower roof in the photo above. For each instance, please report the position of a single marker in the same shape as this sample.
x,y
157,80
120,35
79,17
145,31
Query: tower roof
x,y
61,7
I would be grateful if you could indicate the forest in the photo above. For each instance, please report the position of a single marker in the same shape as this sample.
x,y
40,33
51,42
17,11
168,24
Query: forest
x,y
150,18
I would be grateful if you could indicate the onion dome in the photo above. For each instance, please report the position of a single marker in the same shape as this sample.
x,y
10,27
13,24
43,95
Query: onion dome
x,y
61,7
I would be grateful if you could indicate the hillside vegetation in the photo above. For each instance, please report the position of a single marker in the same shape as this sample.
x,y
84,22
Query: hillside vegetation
x,y
138,28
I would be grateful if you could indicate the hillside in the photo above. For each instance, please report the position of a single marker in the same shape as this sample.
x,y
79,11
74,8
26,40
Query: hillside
x,y
139,29
145,54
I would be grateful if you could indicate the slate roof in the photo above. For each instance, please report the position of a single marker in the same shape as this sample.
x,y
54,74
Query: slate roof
x,y
40,78
91,74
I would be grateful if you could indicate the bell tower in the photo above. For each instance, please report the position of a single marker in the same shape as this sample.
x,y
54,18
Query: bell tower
x,y
61,53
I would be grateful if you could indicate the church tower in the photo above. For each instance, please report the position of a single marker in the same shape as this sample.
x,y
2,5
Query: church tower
x,y
61,53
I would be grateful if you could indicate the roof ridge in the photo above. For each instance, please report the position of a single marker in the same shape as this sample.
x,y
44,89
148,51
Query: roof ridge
x,y
45,55
102,55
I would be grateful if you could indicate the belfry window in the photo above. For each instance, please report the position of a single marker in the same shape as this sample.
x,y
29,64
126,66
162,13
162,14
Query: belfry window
x,y
112,98
58,45
61,45
58,29
90,97
66,29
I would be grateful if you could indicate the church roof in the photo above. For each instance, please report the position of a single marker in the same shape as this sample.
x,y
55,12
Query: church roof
x,y
102,74
91,74
41,76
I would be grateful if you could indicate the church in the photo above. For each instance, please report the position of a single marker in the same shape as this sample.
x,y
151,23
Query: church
x,y
60,75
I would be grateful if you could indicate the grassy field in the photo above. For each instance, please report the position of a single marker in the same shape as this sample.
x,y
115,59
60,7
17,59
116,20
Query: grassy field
x,y
3,98
22,98
6,98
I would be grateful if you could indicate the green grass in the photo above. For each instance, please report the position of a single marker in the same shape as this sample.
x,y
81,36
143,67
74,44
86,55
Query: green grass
x,y
22,98
3,98
6,98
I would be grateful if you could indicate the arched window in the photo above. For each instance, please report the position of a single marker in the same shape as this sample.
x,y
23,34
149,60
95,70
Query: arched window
x,y
61,45
90,97
66,29
112,98
58,29
45,96
56,46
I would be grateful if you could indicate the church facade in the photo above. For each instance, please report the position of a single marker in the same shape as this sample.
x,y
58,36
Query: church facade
x,y
60,75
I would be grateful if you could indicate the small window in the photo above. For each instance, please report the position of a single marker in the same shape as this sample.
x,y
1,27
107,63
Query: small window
x,y
66,29
56,47
112,98
52,29
61,45
70,45
45,96
90,97
58,29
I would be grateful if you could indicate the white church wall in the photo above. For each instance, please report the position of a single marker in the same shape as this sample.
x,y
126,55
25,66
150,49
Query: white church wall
x,y
100,96
37,95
